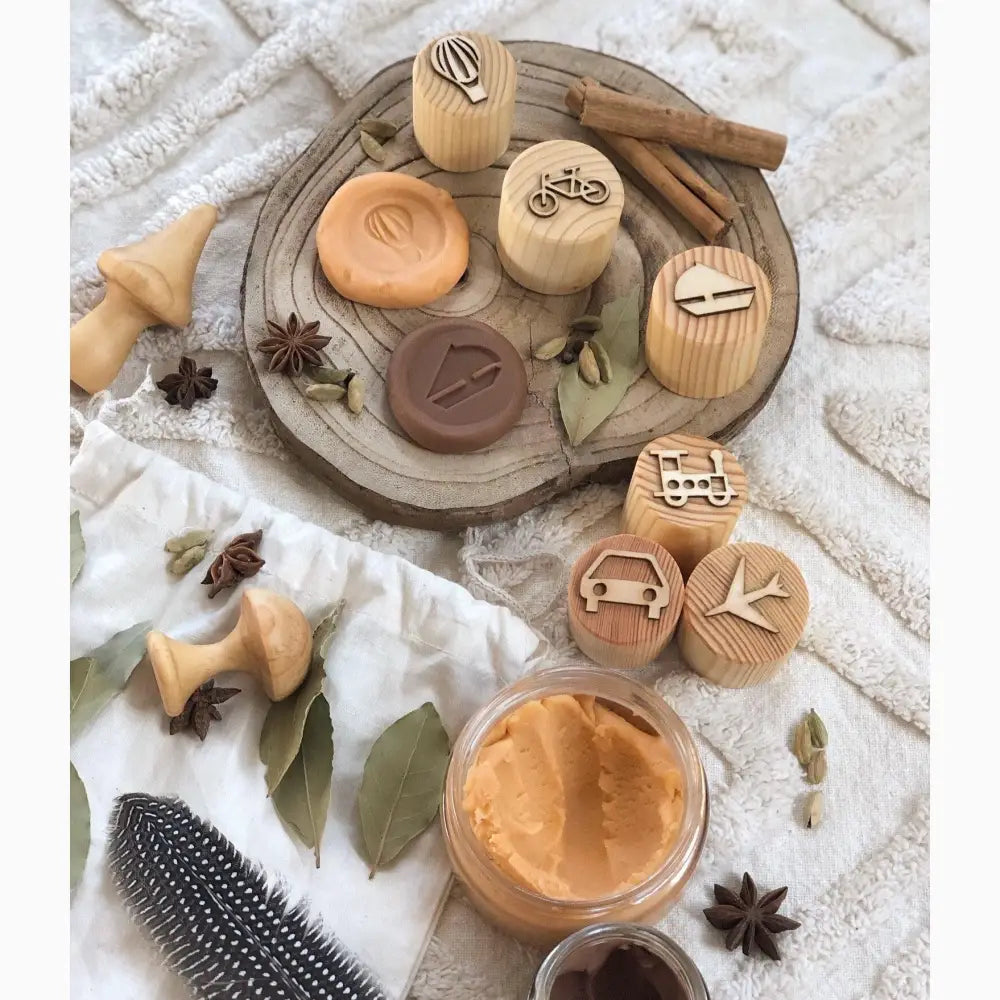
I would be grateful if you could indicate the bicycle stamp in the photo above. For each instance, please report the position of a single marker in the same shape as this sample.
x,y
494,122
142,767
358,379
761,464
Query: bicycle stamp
x,y
566,183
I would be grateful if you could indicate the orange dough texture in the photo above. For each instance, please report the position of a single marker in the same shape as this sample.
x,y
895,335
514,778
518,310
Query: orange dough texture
x,y
572,801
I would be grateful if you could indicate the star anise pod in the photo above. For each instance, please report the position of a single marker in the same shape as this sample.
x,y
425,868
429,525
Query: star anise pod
x,y
293,345
187,384
199,709
235,562
750,918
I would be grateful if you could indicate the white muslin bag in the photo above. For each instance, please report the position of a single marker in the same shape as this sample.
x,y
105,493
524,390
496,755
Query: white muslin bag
x,y
405,637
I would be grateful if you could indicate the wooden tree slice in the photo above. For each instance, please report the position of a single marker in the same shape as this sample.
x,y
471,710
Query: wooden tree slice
x,y
367,458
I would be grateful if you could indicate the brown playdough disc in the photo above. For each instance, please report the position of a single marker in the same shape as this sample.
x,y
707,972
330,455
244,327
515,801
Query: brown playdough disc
x,y
456,385
392,241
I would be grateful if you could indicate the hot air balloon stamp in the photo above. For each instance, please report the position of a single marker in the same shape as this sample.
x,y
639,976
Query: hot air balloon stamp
x,y
464,86
457,59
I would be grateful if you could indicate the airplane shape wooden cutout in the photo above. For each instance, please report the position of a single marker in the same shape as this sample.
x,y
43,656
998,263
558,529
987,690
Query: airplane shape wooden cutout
x,y
740,603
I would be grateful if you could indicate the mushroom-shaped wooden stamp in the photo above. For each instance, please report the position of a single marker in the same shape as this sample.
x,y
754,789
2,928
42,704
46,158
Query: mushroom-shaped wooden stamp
x,y
707,315
625,595
463,100
744,611
148,282
686,493
559,210
272,640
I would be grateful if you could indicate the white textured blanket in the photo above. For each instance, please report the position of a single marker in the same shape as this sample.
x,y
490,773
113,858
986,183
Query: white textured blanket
x,y
181,101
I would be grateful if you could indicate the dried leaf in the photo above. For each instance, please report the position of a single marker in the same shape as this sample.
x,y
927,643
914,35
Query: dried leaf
x,y
372,147
189,540
325,393
380,128
402,783
583,407
96,678
79,827
77,546
302,798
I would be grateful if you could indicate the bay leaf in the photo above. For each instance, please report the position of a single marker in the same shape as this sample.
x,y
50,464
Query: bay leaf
x,y
79,827
585,407
96,678
77,546
302,797
281,733
402,784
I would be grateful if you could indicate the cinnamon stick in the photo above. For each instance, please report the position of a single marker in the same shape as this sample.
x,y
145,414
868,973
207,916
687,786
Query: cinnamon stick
x,y
641,118
711,226
683,171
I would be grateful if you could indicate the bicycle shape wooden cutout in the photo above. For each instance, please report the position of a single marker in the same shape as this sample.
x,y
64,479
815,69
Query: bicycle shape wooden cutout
x,y
567,184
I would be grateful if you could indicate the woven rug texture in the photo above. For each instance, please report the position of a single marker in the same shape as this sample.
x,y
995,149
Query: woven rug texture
x,y
177,102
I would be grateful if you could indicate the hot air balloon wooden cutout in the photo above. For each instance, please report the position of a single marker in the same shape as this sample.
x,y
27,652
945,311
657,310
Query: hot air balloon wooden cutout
x,y
463,100
457,59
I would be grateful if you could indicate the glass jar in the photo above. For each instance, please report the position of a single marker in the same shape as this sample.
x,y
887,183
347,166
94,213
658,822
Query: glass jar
x,y
566,955
544,920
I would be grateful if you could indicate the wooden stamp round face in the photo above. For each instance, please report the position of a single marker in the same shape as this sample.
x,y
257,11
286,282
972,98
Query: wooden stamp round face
x,y
744,611
393,241
456,385
463,100
625,595
686,493
559,210
707,315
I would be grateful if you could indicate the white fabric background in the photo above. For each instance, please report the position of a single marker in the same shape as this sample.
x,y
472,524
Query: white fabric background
x,y
180,101
405,637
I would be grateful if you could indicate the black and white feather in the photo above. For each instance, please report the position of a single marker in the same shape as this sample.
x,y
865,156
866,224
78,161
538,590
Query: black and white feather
x,y
214,917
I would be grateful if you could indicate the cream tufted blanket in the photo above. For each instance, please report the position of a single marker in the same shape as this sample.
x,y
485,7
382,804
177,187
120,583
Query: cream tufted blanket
x,y
176,102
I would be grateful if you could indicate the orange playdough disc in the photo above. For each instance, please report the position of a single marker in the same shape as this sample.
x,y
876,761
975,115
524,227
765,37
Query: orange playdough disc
x,y
392,241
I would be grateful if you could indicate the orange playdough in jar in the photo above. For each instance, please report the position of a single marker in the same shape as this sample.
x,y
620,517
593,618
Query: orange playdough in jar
x,y
572,800
392,241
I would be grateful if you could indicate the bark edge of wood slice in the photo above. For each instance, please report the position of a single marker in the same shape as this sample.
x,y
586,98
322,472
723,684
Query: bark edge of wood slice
x,y
366,457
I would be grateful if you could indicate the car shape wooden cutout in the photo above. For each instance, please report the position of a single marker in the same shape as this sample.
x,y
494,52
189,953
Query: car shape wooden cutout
x,y
654,597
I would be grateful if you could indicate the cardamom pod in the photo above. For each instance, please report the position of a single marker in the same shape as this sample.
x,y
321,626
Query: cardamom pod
x,y
356,394
803,746
816,769
551,348
817,731
325,393
586,324
603,361
379,128
589,371
331,376
186,541
372,147
814,810
187,560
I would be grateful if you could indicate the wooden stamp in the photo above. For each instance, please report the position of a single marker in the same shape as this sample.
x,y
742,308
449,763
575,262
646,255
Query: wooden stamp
x,y
272,640
559,210
707,315
686,493
625,596
148,282
744,611
463,100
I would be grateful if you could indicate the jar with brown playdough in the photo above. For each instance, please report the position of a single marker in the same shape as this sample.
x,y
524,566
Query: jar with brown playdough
x,y
575,797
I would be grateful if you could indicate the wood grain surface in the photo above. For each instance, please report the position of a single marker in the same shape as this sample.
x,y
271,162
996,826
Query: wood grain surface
x,y
706,356
689,532
453,133
725,648
623,636
567,250
367,458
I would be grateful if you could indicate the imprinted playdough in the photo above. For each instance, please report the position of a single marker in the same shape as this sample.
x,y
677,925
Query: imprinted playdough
x,y
392,241
573,801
